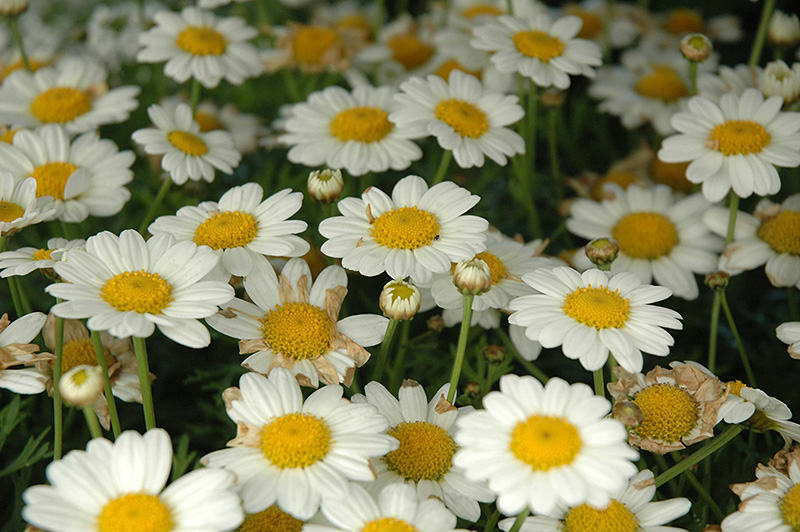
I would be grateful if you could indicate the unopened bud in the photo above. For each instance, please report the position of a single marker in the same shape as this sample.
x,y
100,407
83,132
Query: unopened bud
x,y
777,79
717,280
472,389
602,252
325,186
552,98
400,300
436,323
628,413
784,30
696,47
82,385
13,8
494,354
472,277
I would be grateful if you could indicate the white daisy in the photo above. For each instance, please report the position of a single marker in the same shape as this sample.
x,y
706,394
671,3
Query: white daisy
x,y
760,412
294,452
728,79
592,313
187,153
594,14
128,287
541,446
112,31
120,486
736,144
16,351
241,228
789,333
19,206
73,93
538,48
414,233
195,44
772,502
23,261
464,117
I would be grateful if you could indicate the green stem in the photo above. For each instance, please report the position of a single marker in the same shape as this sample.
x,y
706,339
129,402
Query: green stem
x,y
112,405
531,117
702,491
793,311
510,7
609,18
140,349
527,364
491,522
384,352
466,318
397,365
712,333
262,12
66,230
13,286
58,410
693,77
761,34
92,422
18,39
520,519
151,213
739,344
553,141
291,85
733,210
599,384
195,96
380,13
444,163
713,445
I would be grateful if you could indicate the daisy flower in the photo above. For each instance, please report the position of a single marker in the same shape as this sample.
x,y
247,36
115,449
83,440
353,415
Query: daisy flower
x,y
120,486
424,459
294,452
127,286
313,48
187,153
73,93
16,350
623,29
293,324
349,130
195,44
789,333
541,446
19,205
416,232
630,511
760,412
241,228
538,48
464,117
728,79
735,144
592,313
23,261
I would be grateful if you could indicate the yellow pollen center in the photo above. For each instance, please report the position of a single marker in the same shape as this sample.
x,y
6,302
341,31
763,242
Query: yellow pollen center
x,y
538,44
663,83
448,66
671,174
19,65
597,307
389,524
401,291
364,124
481,10
295,440
425,453
405,228
680,21
645,235
739,137
670,413
10,211
51,179
135,512
139,291
298,330
188,142
81,352
201,41
623,179
736,387
592,23
273,519
310,44
42,254
8,136
409,50
545,442
207,122
790,507
782,232
465,118
496,266
60,104
225,230
614,518
355,21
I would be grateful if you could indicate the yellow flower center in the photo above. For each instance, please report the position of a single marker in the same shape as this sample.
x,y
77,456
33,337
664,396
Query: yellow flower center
x,y
664,83
298,330
8,136
782,232
364,124
405,228
465,118
273,519
389,524
481,10
670,413
545,442
538,44
295,440
496,266
597,307
188,143
790,507
448,66
592,23
81,352
355,21
60,104
138,291
623,179
736,387
42,254
425,453
671,174
614,518
225,230
51,179
10,211
207,122
135,512
310,44
739,137
409,50
201,41
645,235
400,290
680,21
19,65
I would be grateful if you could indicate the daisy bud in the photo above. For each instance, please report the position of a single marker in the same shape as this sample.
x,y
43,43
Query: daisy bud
x,y
400,300
472,389
602,252
494,354
717,280
472,277
436,323
777,79
628,413
325,186
696,47
82,385
784,30
13,8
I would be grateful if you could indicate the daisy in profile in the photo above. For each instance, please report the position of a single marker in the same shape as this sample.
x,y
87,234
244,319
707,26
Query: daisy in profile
x,y
424,459
23,261
591,313
293,324
241,228
291,452
187,153
735,144
18,355
464,117
197,45
127,286
548,52
72,93
19,205
349,130
759,412
121,486
789,333
544,446
416,232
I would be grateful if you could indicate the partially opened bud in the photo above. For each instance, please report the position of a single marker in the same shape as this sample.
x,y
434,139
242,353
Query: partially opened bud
x,y
400,300
13,8
602,252
472,277
777,79
784,30
82,385
696,47
717,280
325,186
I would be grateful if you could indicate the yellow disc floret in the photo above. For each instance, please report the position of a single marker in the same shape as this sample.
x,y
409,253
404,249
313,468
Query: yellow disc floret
x,y
671,174
782,232
663,83
538,44
739,137
207,122
298,330
481,10
409,50
592,22
364,124
680,21
790,507
389,524
597,307
465,118
273,519
670,412
449,65
616,517
81,352
139,291
42,254
496,266
425,453
10,211
51,179
645,235
135,512
188,143
295,440
60,104
545,442
226,230
311,44
405,228
623,179
201,41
